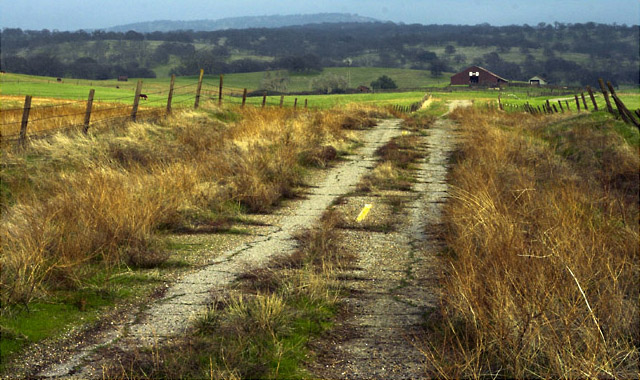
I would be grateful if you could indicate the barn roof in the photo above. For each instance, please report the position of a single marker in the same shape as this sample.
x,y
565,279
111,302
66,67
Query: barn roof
x,y
492,73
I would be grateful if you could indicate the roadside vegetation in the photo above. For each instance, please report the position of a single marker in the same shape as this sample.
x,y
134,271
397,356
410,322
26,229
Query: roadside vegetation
x,y
263,324
267,323
86,216
542,275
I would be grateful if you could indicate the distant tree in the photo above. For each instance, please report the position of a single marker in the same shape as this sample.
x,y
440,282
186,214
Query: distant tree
x,y
330,83
450,49
386,60
133,36
300,64
160,55
548,52
491,59
46,65
201,59
531,67
14,64
426,56
459,58
437,67
247,66
277,81
384,82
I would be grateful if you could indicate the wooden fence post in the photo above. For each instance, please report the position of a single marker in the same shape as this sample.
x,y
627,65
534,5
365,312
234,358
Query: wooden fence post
x,y
593,98
627,116
264,99
220,91
197,102
584,101
500,103
87,113
606,95
577,102
170,97
25,120
295,104
617,102
136,101
549,106
281,100
554,108
566,103
244,97
560,104
306,103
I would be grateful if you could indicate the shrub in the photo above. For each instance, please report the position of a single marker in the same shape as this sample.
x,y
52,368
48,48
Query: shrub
x,y
384,83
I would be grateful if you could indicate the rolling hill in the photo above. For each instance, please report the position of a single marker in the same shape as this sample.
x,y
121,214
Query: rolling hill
x,y
273,21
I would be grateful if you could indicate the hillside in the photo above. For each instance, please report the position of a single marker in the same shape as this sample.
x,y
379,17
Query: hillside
x,y
564,54
274,21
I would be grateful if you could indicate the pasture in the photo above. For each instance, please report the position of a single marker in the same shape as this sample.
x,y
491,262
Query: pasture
x,y
64,101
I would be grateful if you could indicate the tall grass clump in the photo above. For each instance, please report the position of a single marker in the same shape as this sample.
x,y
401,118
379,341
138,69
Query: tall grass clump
x,y
263,327
73,205
542,276
47,115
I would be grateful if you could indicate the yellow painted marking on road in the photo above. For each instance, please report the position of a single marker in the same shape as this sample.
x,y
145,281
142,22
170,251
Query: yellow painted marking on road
x,y
363,213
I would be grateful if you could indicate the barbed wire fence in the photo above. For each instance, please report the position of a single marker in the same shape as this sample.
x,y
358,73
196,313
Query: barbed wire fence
x,y
18,125
580,104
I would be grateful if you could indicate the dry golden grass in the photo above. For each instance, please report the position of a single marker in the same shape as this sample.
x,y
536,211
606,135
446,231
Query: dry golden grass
x,y
543,276
50,115
75,204
263,327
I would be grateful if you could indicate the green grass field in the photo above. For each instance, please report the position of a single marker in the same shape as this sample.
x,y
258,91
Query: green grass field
x,y
18,84
185,88
357,76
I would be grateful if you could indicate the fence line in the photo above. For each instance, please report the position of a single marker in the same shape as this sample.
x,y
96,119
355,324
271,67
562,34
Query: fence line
x,y
145,105
581,103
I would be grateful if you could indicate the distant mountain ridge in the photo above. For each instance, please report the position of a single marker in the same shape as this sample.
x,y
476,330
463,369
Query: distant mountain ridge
x,y
273,21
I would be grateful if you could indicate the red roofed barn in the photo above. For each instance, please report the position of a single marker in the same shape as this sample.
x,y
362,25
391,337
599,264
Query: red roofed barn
x,y
476,75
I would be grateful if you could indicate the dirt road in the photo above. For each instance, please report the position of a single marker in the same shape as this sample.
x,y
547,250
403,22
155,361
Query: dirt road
x,y
171,314
394,283
391,288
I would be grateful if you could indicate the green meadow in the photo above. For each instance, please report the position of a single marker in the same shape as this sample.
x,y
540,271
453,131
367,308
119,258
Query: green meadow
x,y
417,83
17,84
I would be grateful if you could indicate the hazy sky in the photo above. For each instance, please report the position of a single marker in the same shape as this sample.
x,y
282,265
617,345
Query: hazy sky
x,y
88,14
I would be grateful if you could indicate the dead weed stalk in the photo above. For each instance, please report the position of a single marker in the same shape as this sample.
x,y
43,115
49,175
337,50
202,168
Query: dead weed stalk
x,y
543,272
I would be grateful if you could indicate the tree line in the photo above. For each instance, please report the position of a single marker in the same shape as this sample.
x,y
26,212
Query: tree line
x,y
515,52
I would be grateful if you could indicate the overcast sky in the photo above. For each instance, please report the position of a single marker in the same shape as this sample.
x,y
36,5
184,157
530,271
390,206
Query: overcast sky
x,y
92,14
